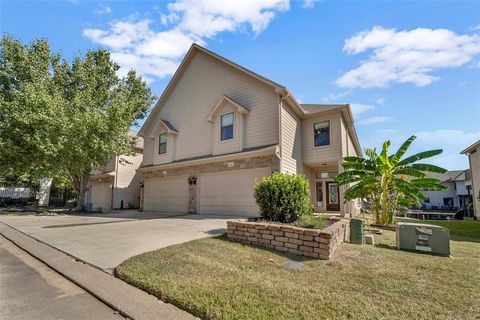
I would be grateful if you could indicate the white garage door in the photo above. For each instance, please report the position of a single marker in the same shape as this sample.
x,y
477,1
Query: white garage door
x,y
230,193
101,196
166,194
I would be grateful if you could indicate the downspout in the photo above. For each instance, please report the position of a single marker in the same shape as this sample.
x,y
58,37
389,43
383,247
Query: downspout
x,y
279,151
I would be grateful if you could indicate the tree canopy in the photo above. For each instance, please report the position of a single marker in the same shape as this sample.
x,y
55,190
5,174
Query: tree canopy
x,y
60,118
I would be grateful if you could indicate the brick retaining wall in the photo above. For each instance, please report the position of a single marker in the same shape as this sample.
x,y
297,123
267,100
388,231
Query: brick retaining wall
x,y
314,243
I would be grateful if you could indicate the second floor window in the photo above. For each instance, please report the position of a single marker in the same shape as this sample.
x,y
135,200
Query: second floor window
x,y
162,143
321,131
226,126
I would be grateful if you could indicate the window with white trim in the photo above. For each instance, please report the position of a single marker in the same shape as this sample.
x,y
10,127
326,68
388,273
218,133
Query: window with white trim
x,y
226,130
162,143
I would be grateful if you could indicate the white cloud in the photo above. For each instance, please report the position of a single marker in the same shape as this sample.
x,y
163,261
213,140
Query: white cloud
x,y
451,141
406,56
375,120
121,34
380,101
153,66
103,10
457,138
154,53
309,3
335,96
206,18
358,108
477,27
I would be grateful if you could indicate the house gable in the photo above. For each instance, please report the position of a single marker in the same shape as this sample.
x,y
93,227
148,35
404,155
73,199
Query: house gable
x,y
202,83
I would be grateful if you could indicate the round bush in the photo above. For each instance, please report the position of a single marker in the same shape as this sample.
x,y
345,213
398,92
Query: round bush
x,y
283,197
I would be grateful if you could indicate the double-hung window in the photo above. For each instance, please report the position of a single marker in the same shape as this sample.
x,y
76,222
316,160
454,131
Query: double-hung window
x,y
321,131
226,126
162,143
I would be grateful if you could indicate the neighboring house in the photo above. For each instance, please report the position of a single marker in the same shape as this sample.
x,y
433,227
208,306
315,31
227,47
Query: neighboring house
x,y
219,127
117,184
456,196
473,153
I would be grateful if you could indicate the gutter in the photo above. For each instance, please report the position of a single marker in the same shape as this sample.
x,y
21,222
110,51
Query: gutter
x,y
285,94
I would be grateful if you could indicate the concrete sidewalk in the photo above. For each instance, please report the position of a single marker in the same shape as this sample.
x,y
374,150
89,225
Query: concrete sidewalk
x,y
128,300
31,290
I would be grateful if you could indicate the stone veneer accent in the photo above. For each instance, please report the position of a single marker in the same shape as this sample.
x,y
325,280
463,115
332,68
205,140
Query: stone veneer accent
x,y
313,243
214,166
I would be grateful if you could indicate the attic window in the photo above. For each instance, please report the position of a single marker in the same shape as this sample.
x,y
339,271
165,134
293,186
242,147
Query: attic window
x,y
162,143
226,126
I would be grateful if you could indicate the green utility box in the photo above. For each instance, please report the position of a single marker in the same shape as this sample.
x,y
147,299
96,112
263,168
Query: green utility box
x,y
357,233
89,207
423,237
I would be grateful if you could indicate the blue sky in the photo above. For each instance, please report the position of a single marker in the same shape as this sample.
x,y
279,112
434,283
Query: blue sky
x,y
406,67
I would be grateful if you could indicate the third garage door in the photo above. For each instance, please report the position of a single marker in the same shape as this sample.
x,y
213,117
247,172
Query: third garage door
x,y
230,193
166,194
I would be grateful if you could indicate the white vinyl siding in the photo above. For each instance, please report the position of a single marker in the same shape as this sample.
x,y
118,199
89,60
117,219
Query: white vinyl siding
x,y
160,158
168,194
291,141
332,152
231,145
148,151
230,193
196,92
348,149
127,186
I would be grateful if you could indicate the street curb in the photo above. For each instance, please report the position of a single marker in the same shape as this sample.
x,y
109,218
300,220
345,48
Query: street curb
x,y
131,302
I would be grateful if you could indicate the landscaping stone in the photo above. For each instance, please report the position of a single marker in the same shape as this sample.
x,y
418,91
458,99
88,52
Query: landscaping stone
x,y
313,243
369,239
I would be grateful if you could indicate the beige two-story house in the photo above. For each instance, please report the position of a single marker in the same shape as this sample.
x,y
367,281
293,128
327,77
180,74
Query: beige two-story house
x,y
116,185
218,127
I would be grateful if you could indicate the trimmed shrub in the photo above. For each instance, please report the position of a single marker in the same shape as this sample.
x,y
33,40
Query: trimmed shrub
x,y
283,197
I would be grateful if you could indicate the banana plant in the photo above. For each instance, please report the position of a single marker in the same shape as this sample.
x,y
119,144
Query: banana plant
x,y
389,182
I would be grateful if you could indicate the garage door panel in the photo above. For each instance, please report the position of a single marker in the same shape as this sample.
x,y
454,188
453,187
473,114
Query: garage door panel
x,y
230,193
166,194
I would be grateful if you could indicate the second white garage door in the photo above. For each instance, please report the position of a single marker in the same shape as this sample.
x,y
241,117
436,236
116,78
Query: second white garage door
x,y
166,194
230,193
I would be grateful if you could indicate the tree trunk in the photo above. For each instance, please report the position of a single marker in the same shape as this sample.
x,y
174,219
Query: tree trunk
x,y
82,186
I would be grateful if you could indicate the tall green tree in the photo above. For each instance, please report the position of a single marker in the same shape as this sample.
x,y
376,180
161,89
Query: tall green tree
x,y
63,119
389,182
31,111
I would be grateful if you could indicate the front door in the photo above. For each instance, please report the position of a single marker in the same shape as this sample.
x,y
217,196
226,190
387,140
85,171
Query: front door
x,y
333,198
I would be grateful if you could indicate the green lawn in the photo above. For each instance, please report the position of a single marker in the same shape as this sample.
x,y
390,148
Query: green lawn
x,y
460,230
218,279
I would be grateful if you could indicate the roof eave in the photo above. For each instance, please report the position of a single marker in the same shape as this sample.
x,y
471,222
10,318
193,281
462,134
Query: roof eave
x,y
470,148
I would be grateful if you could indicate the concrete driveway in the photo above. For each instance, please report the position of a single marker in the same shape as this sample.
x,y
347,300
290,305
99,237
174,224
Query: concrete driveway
x,y
105,240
